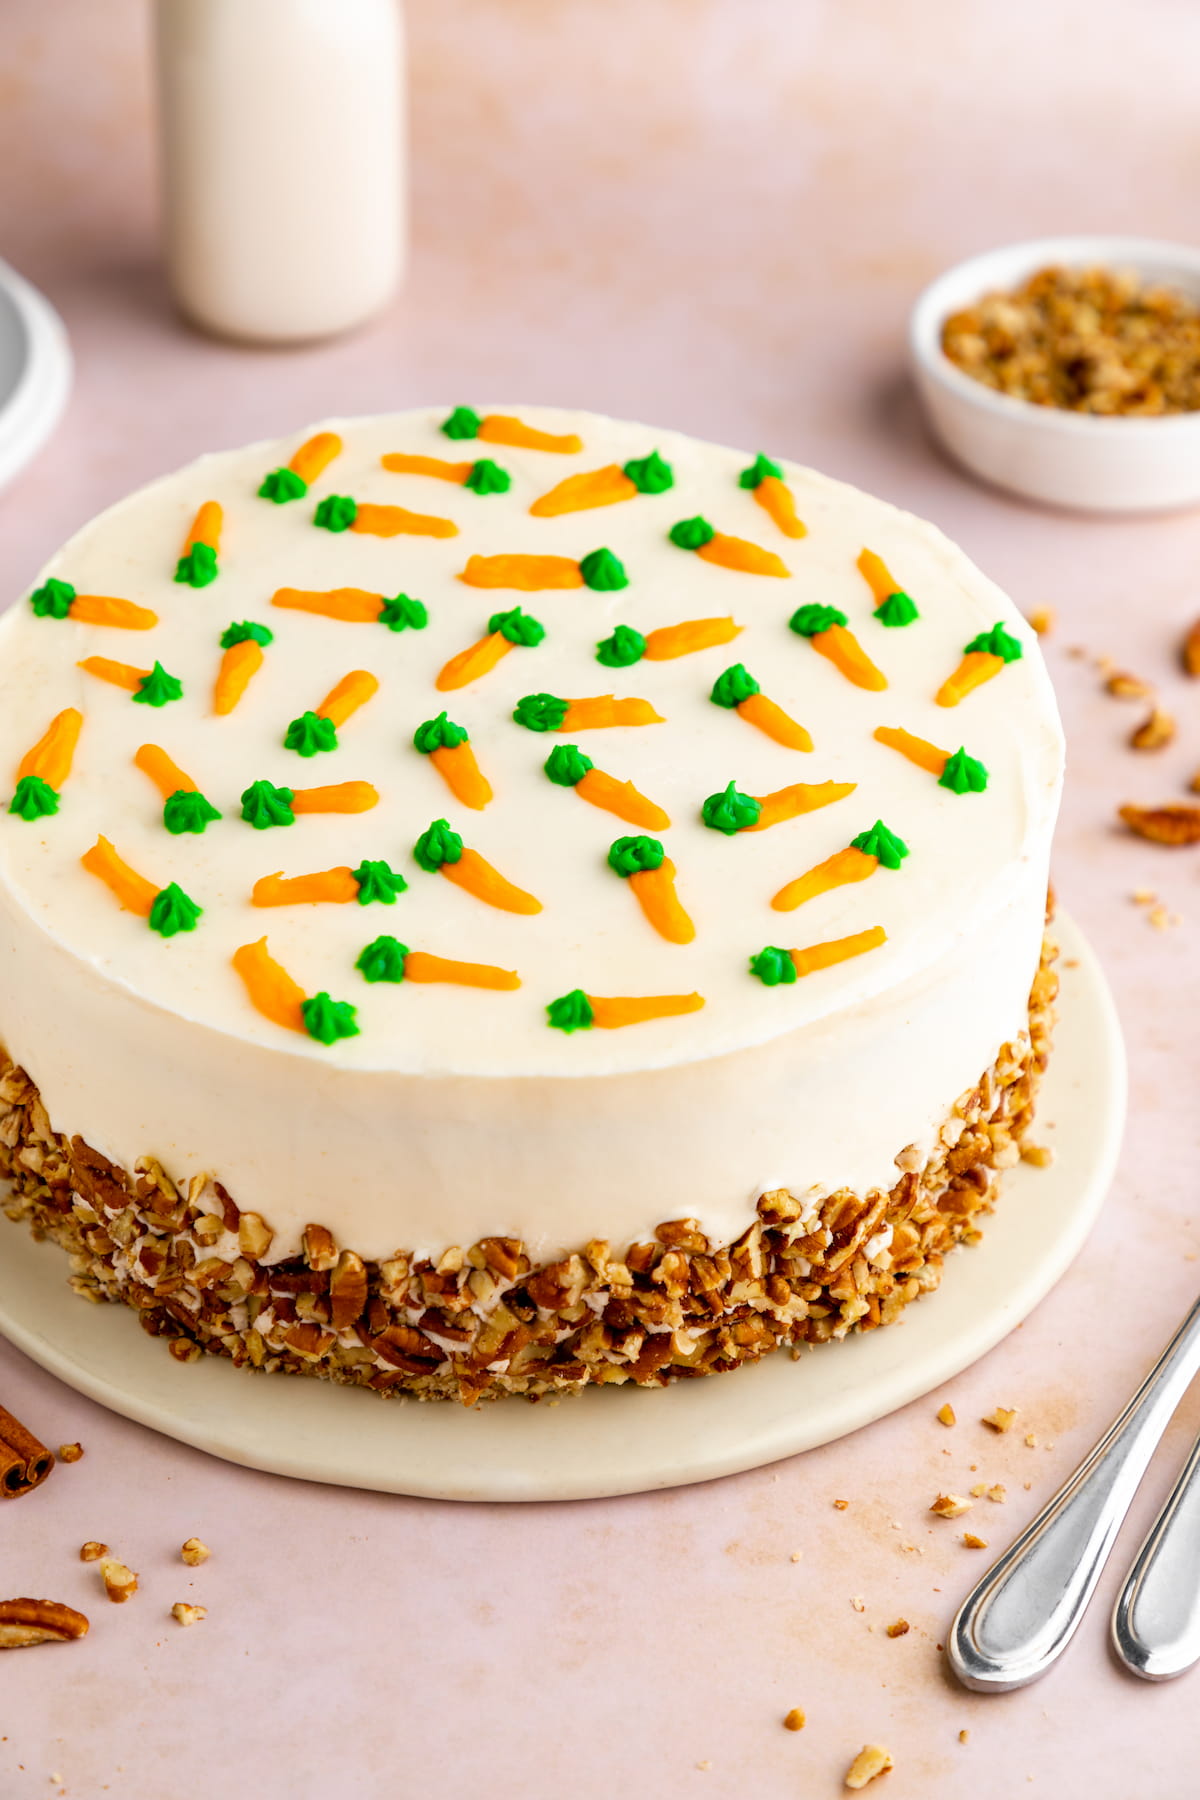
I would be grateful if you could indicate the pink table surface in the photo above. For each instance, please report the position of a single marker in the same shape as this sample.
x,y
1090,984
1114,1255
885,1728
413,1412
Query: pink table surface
x,y
712,213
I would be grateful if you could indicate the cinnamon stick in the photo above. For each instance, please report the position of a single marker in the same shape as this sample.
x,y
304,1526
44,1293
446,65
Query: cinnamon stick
x,y
24,1462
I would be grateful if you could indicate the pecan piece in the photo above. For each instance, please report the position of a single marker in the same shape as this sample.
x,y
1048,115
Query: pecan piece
x,y
1172,825
950,1506
183,1614
320,1251
1155,731
1128,687
347,1290
120,1582
872,1760
25,1622
193,1552
255,1236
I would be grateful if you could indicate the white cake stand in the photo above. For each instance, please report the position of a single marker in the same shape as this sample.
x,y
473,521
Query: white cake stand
x,y
35,371
619,1440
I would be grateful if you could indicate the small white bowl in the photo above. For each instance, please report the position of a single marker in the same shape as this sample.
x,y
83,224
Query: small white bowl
x,y
1081,460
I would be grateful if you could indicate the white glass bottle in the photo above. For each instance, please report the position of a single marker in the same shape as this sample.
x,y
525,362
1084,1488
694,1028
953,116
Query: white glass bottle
x,y
283,162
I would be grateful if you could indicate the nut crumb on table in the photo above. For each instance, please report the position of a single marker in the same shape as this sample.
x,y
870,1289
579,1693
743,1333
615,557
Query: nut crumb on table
x,y
974,1543
872,1760
184,1614
1001,1419
899,1628
795,1720
70,1453
945,1415
120,1582
1043,620
93,1551
951,1506
1173,825
1125,686
1155,732
1190,651
193,1552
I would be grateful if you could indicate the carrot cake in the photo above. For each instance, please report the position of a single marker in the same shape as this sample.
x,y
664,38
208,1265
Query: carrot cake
x,y
492,902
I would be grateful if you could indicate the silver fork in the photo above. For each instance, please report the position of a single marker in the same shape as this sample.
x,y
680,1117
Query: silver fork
x,y
1020,1618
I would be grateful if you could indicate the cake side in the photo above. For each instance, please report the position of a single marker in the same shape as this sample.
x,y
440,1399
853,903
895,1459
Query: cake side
x,y
485,1319
460,1112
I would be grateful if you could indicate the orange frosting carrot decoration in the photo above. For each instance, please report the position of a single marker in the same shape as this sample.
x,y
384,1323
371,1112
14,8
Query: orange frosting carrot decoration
x,y
338,512
867,852
57,599
917,750
670,641
243,658
506,630
166,775
836,871
567,766
983,658
728,552
329,885
355,606
122,675
825,629
205,528
420,966
802,797
650,873
529,574
578,1011
132,890
50,759
343,797
824,956
315,455
106,609
448,749
270,988
400,463
765,480
598,487
501,428
877,576
549,712
737,691
351,692
440,851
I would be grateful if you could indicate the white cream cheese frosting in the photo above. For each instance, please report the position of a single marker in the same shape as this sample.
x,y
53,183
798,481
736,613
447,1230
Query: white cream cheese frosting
x,y
457,1112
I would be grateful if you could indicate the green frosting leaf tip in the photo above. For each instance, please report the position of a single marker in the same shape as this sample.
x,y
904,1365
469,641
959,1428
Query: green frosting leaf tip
x,y
382,960
625,647
53,599
774,967
566,765
730,811
199,567
439,734
246,632
518,627
487,477
173,911
264,805
186,810
603,572
636,855
996,642
282,485
898,609
808,621
692,534
328,1020
463,422
650,474
436,846
540,712
888,849
34,799
337,512
158,687
404,614
733,686
309,734
963,774
377,881
757,473
571,1012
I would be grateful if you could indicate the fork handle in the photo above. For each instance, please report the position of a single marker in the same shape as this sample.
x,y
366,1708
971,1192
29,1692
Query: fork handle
x,y
1156,1621
1020,1618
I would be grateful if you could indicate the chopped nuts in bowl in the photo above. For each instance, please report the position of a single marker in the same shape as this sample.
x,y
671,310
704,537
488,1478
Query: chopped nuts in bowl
x,y
1067,370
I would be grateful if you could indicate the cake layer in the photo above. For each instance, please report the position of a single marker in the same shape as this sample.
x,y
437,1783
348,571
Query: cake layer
x,y
463,1111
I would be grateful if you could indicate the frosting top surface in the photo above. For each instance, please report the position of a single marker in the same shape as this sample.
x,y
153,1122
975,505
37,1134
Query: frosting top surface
x,y
966,846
